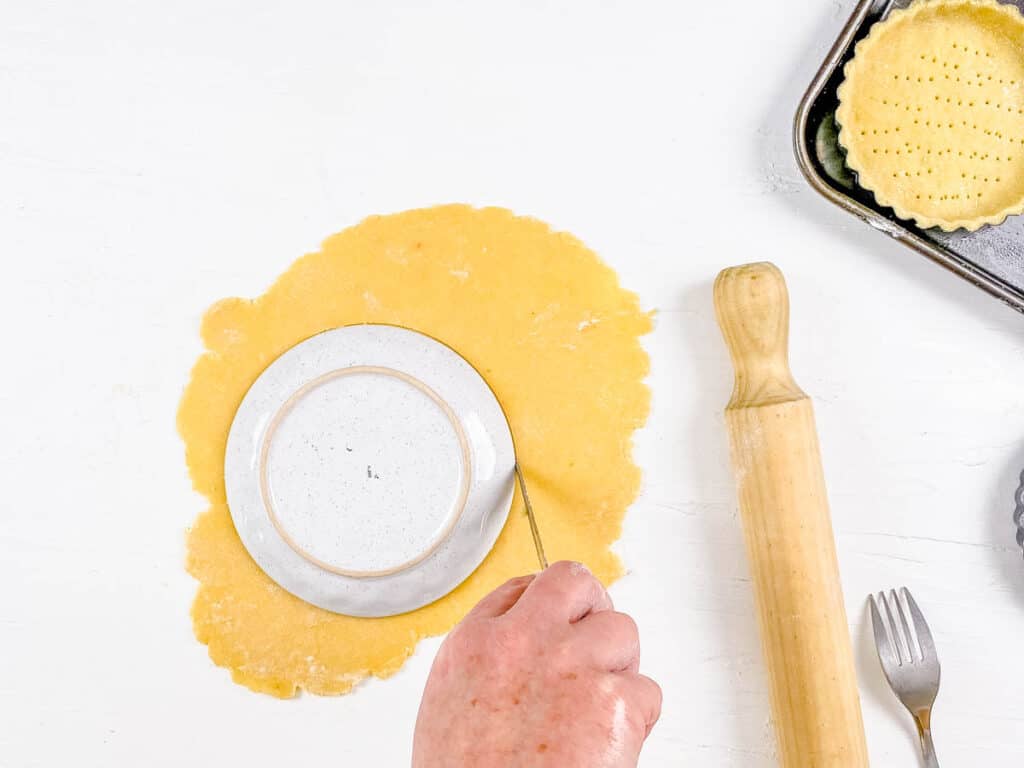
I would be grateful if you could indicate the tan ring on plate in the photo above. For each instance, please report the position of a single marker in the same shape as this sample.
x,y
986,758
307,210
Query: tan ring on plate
x,y
457,508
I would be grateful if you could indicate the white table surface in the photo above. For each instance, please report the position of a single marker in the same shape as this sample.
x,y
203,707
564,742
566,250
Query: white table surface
x,y
157,157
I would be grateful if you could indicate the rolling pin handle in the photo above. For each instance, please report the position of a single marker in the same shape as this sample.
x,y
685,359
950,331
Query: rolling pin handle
x,y
752,306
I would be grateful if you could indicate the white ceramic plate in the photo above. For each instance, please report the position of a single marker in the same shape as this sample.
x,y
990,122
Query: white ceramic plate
x,y
369,470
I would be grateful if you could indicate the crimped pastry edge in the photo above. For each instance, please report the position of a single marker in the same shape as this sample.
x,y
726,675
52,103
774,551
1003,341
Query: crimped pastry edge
x,y
853,159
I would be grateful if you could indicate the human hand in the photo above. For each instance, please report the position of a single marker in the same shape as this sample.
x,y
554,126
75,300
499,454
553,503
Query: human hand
x,y
543,672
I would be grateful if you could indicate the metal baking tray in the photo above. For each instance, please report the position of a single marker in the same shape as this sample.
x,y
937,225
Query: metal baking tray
x,y
1018,513
991,258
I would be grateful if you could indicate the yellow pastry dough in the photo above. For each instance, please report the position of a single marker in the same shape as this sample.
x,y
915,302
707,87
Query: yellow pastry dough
x,y
537,313
931,113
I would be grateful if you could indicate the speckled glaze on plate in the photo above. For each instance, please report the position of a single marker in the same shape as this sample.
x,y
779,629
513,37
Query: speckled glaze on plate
x,y
369,470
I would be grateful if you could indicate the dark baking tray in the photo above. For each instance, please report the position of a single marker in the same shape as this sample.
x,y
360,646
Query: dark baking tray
x,y
991,258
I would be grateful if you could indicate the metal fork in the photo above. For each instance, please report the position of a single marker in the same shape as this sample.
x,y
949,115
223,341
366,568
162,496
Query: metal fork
x,y
912,668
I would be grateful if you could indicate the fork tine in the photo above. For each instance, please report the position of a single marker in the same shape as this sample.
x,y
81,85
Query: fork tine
x,y
894,629
904,625
882,644
924,634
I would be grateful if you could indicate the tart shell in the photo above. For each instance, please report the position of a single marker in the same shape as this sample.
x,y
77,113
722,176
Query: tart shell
x,y
945,135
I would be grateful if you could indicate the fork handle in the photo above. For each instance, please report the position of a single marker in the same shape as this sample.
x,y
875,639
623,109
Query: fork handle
x,y
924,730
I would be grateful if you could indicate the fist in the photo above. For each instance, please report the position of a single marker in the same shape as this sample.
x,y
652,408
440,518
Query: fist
x,y
543,672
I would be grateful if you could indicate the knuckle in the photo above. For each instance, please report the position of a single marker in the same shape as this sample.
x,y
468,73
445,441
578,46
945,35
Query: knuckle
x,y
564,568
620,701
571,577
629,629
642,706
656,694
638,722
647,700
627,625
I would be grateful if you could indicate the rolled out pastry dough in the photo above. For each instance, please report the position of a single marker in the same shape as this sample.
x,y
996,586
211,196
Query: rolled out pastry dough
x,y
537,313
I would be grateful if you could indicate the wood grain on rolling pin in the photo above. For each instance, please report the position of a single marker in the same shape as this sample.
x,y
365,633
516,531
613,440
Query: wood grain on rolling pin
x,y
788,530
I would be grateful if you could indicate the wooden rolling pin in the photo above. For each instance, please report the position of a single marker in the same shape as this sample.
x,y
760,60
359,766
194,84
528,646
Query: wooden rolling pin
x,y
788,530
